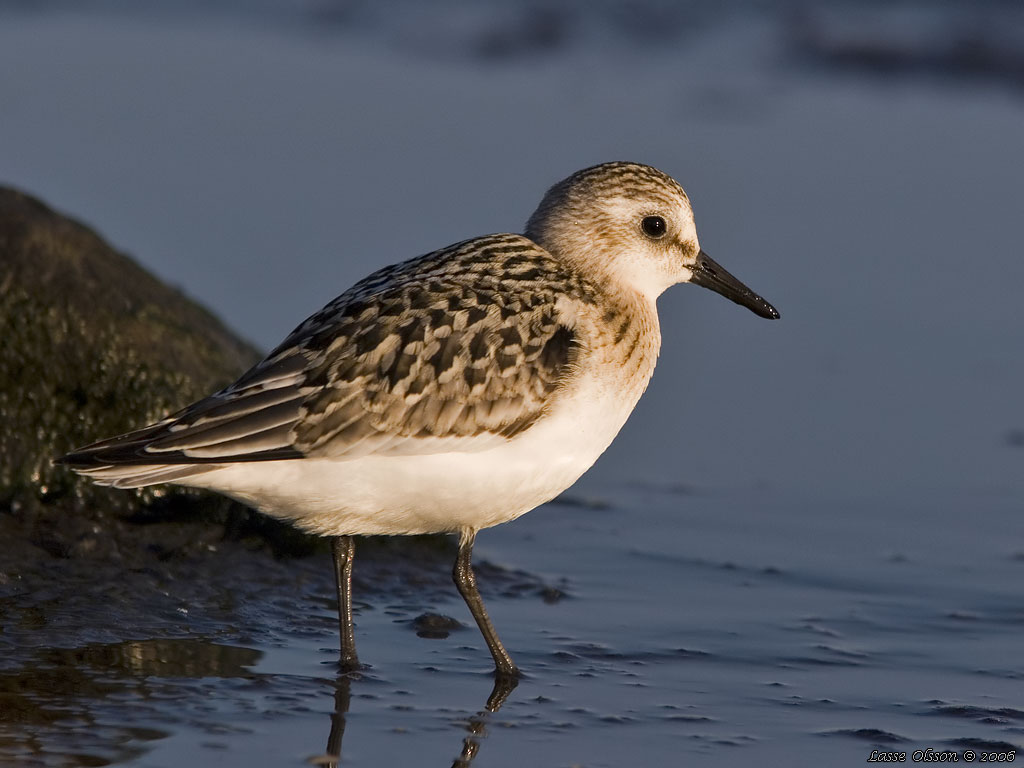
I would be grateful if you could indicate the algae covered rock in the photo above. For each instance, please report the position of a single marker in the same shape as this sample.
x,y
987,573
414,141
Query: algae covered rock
x,y
92,346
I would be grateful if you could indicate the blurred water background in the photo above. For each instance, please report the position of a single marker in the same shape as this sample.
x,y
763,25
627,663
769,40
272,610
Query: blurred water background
x,y
807,542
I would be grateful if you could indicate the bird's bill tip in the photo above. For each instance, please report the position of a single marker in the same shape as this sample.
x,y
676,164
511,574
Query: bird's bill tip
x,y
708,273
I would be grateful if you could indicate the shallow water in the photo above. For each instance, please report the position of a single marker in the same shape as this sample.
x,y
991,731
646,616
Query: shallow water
x,y
805,545
693,626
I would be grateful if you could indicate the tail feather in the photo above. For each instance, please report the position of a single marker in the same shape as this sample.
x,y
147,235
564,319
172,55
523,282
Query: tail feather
x,y
140,475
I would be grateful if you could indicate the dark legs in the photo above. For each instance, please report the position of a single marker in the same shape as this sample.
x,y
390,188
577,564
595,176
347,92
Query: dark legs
x,y
344,549
507,676
465,580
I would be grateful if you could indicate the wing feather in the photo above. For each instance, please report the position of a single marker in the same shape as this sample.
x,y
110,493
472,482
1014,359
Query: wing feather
x,y
451,351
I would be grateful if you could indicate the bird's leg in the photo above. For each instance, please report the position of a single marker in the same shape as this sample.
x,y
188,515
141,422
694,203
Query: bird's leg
x,y
465,580
344,548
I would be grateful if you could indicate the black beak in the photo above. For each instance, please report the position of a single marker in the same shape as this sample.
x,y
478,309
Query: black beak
x,y
707,273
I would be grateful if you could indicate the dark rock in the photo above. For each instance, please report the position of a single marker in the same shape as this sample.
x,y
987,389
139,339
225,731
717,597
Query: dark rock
x,y
551,595
93,345
435,626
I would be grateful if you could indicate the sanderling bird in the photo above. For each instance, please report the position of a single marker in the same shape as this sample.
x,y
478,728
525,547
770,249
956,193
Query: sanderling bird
x,y
451,392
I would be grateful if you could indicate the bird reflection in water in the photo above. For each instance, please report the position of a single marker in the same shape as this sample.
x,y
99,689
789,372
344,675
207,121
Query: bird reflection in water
x,y
476,727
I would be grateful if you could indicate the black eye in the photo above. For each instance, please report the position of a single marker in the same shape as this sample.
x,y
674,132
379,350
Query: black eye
x,y
653,226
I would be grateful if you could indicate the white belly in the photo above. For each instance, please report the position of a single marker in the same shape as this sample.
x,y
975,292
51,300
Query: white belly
x,y
439,492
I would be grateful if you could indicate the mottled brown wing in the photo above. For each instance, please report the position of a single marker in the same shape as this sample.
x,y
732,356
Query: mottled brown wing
x,y
442,360
450,351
